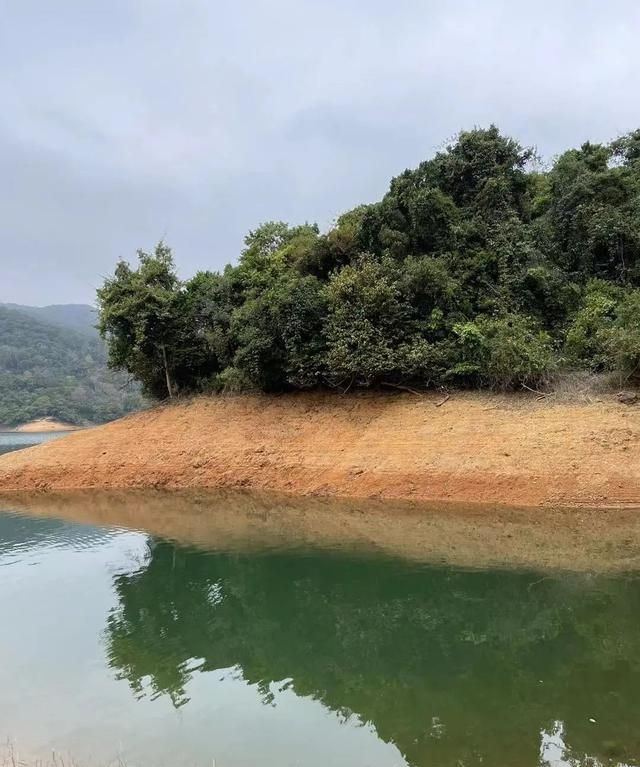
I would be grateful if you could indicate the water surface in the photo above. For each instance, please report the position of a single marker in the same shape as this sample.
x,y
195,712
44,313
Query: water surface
x,y
117,644
17,440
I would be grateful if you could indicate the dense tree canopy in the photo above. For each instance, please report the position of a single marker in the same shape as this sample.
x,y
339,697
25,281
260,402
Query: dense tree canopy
x,y
475,269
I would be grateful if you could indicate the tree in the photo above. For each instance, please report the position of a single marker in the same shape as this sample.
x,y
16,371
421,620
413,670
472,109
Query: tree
x,y
367,320
140,320
474,269
277,333
595,211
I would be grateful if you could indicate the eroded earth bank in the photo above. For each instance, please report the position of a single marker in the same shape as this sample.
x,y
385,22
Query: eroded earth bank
x,y
473,448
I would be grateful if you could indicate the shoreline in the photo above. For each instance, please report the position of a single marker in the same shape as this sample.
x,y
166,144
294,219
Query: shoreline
x,y
472,536
41,426
475,448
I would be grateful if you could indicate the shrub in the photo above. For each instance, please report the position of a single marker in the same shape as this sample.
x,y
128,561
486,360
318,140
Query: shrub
x,y
605,333
503,352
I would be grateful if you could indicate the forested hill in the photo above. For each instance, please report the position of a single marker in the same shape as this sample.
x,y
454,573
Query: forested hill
x,y
80,317
47,369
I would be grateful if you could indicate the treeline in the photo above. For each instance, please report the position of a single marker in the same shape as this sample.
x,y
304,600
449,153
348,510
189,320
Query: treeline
x,y
478,268
52,371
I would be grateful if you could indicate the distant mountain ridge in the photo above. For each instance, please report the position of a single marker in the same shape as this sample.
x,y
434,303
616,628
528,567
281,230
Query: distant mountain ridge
x,y
53,364
80,317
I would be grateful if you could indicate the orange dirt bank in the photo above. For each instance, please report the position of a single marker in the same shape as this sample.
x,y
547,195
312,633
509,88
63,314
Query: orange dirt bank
x,y
474,448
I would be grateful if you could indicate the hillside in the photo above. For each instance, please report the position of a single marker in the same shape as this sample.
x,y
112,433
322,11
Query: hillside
x,y
474,448
50,371
79,317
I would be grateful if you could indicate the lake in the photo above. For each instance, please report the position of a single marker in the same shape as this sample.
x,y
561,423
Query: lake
x,y
201,633
17,440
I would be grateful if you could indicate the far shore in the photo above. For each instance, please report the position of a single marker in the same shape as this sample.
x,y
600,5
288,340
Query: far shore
x,y
468,448
42,425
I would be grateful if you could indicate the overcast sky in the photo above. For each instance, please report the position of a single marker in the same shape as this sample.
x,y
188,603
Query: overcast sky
x,y
127,121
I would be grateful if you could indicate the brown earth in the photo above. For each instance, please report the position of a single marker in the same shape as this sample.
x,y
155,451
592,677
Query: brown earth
x,y
482,448
45,425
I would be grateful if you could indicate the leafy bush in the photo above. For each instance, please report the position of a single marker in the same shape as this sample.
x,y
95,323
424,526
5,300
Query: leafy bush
x,y
605,333
366,321
503,352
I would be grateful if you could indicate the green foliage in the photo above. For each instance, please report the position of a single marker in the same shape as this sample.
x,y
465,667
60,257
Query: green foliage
x,y
142,320
277,333
51,371
621,341
476,269
366,321
503,351
605,333
594,212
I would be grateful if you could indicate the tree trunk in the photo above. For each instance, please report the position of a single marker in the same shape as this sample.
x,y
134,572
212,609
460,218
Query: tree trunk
x,y
166,371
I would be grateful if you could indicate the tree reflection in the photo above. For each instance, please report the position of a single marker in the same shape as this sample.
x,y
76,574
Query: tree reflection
x,y
454,667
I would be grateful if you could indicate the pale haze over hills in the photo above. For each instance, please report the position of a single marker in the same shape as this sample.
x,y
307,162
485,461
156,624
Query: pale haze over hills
x,y
80,317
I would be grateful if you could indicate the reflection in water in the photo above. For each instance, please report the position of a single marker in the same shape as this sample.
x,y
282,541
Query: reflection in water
x,y
310,634
454,667
20,535
554,751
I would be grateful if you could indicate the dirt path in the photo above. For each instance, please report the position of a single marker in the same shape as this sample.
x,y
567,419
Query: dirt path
x,y
474,448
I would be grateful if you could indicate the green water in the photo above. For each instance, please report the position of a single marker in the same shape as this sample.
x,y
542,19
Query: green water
x,y
118,645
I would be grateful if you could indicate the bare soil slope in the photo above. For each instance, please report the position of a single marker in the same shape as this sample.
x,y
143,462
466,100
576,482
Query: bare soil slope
x,y
474,448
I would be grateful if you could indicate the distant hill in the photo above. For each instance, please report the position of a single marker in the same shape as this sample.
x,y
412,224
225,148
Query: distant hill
x,y
80,317
53,364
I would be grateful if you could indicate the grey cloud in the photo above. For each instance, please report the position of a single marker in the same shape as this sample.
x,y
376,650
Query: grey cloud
x,y
126,121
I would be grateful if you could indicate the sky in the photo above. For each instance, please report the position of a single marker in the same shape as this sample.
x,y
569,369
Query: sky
x,y
130,121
